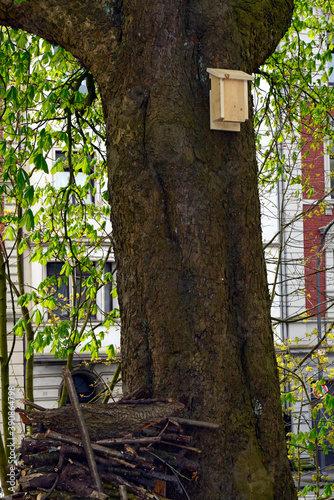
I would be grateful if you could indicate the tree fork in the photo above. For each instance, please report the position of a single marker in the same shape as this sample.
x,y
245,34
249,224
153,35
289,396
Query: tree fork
x,y
191,277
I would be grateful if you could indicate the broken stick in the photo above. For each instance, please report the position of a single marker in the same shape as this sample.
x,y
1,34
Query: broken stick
x,y
83,430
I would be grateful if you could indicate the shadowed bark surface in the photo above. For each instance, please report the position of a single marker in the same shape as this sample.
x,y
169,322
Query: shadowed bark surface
x,y
185,212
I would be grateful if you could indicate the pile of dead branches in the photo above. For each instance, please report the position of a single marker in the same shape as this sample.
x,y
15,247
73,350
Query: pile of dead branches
x,y
52,463
127,450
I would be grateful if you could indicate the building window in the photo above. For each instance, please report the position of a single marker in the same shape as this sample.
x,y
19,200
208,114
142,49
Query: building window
x,y
110,302
81,288
331,171
61,179
105,300
58,289
329,162
330,64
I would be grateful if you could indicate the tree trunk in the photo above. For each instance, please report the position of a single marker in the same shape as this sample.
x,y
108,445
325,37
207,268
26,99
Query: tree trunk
x,y
4,372
185,211
29,369
193,294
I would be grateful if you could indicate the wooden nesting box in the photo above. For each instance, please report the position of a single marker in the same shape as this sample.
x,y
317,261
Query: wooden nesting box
x,y
228,99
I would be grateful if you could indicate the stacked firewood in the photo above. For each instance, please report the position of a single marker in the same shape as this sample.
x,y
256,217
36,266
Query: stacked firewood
x,y
53,464
130,449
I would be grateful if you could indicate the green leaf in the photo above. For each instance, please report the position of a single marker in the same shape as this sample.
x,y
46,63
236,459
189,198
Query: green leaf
x,y
111,352
36,255
40,163
10,233
328,490
29,194
3,146
322,432
30,220
52,304
22,39
12,94
38,317
66,269
58,166
307,489
84,165
328,402
46,46
313,434
22,179
20,327
27,220
22,247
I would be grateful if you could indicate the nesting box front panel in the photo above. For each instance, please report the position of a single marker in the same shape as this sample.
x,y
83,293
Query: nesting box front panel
x,y
228,99
235,105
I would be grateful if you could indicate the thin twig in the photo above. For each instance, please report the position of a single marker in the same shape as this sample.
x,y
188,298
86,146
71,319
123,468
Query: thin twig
x,y
309,354
115,455
174,471
196,423
182,446
143,401
143,440
114,381
26,402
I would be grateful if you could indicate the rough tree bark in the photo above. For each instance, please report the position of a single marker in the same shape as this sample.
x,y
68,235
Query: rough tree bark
x,y
185,211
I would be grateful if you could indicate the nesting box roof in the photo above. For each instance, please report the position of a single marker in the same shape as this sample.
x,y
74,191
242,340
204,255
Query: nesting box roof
x,y
229,73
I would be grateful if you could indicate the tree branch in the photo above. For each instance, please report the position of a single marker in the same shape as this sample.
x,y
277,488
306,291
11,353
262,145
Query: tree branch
x,y
77,26
82,428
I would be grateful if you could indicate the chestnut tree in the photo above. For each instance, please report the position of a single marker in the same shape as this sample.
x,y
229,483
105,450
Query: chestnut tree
x,y
192,288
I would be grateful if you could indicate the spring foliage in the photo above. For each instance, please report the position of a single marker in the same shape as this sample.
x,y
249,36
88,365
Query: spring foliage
x,y
49,100
294,95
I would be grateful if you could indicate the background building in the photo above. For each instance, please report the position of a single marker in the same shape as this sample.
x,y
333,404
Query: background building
x,y
90,376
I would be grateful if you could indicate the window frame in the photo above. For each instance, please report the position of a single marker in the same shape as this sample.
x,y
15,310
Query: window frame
x,y
328,179
330,64
104,300
108,288
62,315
